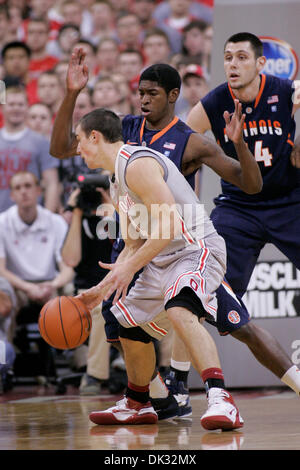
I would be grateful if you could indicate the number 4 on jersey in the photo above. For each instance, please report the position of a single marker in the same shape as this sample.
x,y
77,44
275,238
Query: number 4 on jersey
x,y
262,154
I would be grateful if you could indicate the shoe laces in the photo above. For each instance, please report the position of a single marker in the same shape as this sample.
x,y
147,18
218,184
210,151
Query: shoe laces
x,y
216,396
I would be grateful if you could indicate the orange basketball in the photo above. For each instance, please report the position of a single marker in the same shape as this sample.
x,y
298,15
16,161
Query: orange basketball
x,y
65,322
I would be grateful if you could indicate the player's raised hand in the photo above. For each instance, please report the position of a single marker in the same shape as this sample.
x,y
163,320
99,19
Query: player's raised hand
x,y
77,74
235,123
295,155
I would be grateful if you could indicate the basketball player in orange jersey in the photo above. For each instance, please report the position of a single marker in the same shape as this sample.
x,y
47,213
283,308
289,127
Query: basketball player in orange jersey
x,y
181,256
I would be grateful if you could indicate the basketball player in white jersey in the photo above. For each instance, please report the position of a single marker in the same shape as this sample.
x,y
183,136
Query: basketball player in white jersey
x,y
181,270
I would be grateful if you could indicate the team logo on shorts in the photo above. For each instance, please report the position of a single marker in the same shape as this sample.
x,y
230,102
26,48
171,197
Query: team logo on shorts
x,y
282,60
234,317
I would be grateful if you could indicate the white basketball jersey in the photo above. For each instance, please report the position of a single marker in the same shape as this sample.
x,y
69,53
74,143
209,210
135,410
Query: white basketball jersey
x,y
195,223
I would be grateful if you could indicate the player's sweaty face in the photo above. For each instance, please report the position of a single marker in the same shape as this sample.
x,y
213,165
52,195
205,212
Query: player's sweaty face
x,y
153,99
240,64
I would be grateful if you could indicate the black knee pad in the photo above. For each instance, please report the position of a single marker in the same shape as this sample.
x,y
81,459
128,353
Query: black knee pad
x,y
135,334
189,300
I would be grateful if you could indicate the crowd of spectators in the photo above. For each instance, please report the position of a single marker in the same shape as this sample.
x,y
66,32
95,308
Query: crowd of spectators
x,y
120,38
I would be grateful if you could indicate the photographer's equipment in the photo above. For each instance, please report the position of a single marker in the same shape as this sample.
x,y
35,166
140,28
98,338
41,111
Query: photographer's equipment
x,y
89,198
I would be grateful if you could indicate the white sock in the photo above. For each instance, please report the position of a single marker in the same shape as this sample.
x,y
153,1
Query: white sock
x,y
158,388
184,366
292,379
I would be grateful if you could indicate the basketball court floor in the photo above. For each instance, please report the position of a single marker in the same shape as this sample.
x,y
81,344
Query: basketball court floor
x,y
35,418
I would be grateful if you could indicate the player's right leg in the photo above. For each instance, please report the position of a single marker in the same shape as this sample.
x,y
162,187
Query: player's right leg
x,y
222,413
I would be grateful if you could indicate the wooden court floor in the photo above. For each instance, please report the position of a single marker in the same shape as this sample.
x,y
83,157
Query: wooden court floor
x,y
40,420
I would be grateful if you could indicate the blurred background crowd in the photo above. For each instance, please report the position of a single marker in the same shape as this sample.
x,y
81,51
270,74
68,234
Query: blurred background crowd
x,y
120,38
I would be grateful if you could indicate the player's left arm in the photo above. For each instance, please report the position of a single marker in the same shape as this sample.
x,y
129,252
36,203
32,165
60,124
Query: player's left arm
x,y
244,173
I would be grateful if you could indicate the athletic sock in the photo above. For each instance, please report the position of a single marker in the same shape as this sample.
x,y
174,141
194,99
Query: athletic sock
x,y
137,392
158,388
213,377
292,378
180,370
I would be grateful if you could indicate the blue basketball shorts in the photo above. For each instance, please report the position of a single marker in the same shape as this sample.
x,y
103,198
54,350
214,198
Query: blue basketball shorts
x,y
232,313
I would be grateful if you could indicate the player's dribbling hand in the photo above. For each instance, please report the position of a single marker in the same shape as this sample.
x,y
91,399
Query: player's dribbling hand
x,y
235,123
77,74
92,297
96,294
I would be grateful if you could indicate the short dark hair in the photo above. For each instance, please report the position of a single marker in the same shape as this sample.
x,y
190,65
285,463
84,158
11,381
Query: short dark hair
x,y
157,32
198,24
255,42
132,51
104,121
68,26
125,13
87,43
165,75
48,73
15,45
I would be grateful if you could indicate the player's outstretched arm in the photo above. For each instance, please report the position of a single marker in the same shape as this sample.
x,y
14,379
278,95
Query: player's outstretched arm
x,y
244,173
63,143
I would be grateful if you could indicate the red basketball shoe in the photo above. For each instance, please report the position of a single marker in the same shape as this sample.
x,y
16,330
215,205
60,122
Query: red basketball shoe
x,y
126,411
222,412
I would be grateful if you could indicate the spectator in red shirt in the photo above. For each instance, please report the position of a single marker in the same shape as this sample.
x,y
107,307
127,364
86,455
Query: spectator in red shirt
x,y
37,38
42,9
